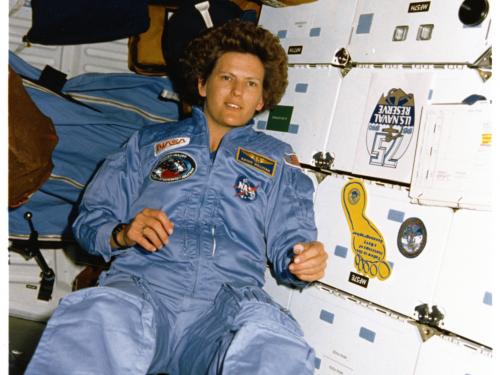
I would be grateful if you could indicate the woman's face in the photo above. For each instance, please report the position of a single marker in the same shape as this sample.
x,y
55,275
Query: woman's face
x,y
233,91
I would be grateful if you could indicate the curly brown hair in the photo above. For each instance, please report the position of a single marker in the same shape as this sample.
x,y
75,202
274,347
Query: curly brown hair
x,y
201,54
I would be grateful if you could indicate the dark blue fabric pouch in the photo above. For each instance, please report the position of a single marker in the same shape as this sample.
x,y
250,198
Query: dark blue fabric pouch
x,y
63,22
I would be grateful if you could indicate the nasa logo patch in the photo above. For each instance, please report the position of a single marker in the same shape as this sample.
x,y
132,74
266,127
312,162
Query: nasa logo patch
x,y
175,166
170,144
245,189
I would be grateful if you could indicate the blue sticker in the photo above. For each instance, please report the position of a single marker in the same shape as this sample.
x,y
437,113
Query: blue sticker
x,y
317,363
301,87
364,23
261,124
245,189
340,251
281,34
367,334
293,128
172,167
488,298
315,31
396,216
326,316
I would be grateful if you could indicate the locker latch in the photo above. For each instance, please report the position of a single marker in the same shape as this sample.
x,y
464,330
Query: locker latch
x,y
323,161
483,65
433,318
343,61
322,164
428,320
342,58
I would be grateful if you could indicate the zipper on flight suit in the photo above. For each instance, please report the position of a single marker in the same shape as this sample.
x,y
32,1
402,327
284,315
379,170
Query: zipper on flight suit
x,y
212,162
214,241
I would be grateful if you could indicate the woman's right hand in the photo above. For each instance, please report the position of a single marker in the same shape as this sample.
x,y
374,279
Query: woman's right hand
x,y
150,229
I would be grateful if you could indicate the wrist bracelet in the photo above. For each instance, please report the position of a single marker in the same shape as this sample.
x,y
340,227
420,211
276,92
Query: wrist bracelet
x,y
114,235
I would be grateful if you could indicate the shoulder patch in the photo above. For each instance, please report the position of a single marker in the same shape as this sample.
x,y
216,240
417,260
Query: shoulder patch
x,y
170,144
292,160
256,161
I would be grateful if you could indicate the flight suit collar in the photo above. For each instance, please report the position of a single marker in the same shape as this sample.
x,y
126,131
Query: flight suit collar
x,y
200,118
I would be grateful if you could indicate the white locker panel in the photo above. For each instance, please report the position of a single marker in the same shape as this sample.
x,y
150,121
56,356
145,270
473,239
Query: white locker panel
x,y
24,282
109,57
311,33
381,247
378,116
446,356
467,281
388,31
453,162
352,339
376,122
279,293
304,115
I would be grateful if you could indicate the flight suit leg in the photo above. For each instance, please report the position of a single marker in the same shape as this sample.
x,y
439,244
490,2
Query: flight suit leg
x,y
245,332
100,330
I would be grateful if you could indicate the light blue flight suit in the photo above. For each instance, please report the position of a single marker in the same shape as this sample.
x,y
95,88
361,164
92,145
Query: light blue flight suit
x,y
195,306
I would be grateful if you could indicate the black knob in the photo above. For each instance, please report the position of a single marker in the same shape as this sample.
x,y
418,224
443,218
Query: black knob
x,y
473,12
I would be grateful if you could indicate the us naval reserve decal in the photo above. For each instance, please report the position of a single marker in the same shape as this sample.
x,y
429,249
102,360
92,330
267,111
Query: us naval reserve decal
x,y
391,128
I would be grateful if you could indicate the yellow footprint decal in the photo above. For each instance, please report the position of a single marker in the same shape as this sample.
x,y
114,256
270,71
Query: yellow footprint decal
x,y
367,242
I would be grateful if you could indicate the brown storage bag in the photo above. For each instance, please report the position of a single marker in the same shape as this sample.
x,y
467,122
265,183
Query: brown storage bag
x,y
32,139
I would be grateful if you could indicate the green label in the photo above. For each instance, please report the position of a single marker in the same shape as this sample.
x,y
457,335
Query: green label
x,y
279,118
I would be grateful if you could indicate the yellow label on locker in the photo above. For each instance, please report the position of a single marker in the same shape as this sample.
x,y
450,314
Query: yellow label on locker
x,y
367,242
486,139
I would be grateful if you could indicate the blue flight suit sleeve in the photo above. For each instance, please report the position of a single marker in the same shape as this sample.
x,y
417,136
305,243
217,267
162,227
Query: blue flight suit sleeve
x,y
107,198
289,220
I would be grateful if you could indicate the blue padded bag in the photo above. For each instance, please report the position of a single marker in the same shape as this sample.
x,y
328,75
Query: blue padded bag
x,y
113,106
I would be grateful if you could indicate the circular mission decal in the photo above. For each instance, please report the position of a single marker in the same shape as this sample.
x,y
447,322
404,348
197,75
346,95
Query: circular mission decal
x,y
412,237
175,166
